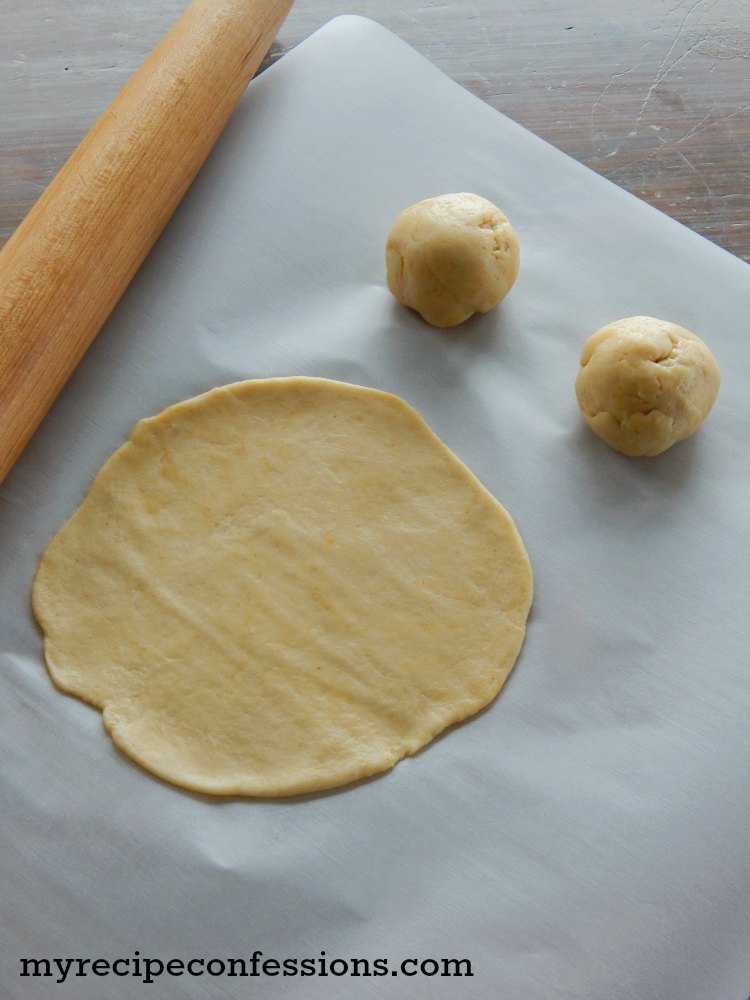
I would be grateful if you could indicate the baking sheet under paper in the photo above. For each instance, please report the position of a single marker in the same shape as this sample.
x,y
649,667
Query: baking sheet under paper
x,y
587,836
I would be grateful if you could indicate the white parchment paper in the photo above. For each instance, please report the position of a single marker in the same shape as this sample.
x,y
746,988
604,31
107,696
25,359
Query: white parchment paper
x,y
585,837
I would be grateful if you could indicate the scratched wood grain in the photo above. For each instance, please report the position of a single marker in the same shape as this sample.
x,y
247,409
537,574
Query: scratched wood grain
x,y
654,94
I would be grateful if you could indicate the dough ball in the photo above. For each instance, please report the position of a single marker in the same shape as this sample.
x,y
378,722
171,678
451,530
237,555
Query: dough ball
x,y
450,257
644,384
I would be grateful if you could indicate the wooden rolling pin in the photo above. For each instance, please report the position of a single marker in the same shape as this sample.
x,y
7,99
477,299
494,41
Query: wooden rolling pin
x,y
70,260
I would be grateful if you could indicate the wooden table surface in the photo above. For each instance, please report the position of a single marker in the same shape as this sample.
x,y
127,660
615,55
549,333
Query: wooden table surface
x,y
654,94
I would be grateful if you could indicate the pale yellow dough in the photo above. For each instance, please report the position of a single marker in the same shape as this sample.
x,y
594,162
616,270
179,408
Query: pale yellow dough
x,y
450,257
281,586
644,384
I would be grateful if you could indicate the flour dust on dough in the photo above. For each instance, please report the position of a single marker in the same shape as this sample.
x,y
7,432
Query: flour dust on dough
x,y
282,586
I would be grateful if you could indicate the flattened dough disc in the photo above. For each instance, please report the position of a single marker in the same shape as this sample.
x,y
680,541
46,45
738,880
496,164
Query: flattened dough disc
x,y
281,586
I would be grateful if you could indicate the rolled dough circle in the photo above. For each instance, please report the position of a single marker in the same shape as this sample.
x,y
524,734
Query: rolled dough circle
x,y
282,586
450,257
644,384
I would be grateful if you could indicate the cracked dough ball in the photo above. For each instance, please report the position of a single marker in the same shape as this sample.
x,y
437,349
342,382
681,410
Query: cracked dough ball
x,y
450,257
644,384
